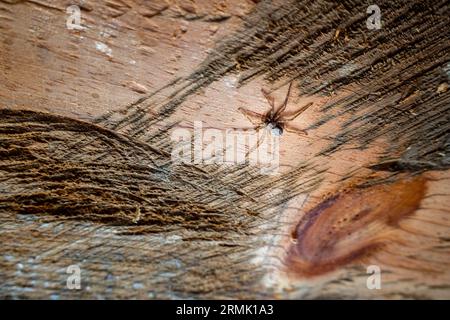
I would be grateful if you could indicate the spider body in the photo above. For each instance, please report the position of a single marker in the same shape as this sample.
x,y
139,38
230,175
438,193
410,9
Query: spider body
x,y
275,128
275,120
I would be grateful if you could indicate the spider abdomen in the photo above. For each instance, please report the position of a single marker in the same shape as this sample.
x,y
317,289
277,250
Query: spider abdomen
x,y
275,129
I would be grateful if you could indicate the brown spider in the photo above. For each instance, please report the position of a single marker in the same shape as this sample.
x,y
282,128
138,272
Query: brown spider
x,y
275,120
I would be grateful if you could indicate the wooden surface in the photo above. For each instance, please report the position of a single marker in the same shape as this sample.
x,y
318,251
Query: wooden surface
x,y
86,176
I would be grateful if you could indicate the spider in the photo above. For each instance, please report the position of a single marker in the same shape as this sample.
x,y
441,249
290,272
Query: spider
x,y
275,120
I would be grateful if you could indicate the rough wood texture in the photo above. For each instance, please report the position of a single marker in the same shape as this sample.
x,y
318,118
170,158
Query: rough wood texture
x,y
85,150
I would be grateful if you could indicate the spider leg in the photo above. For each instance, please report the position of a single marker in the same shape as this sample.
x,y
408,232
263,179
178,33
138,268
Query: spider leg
x,y
254,117
294,115
244,128
270,100
284,105
262,138
290,128
258,142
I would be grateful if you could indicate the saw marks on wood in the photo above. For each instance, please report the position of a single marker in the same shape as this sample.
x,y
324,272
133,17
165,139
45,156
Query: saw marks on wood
x,y
75,170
